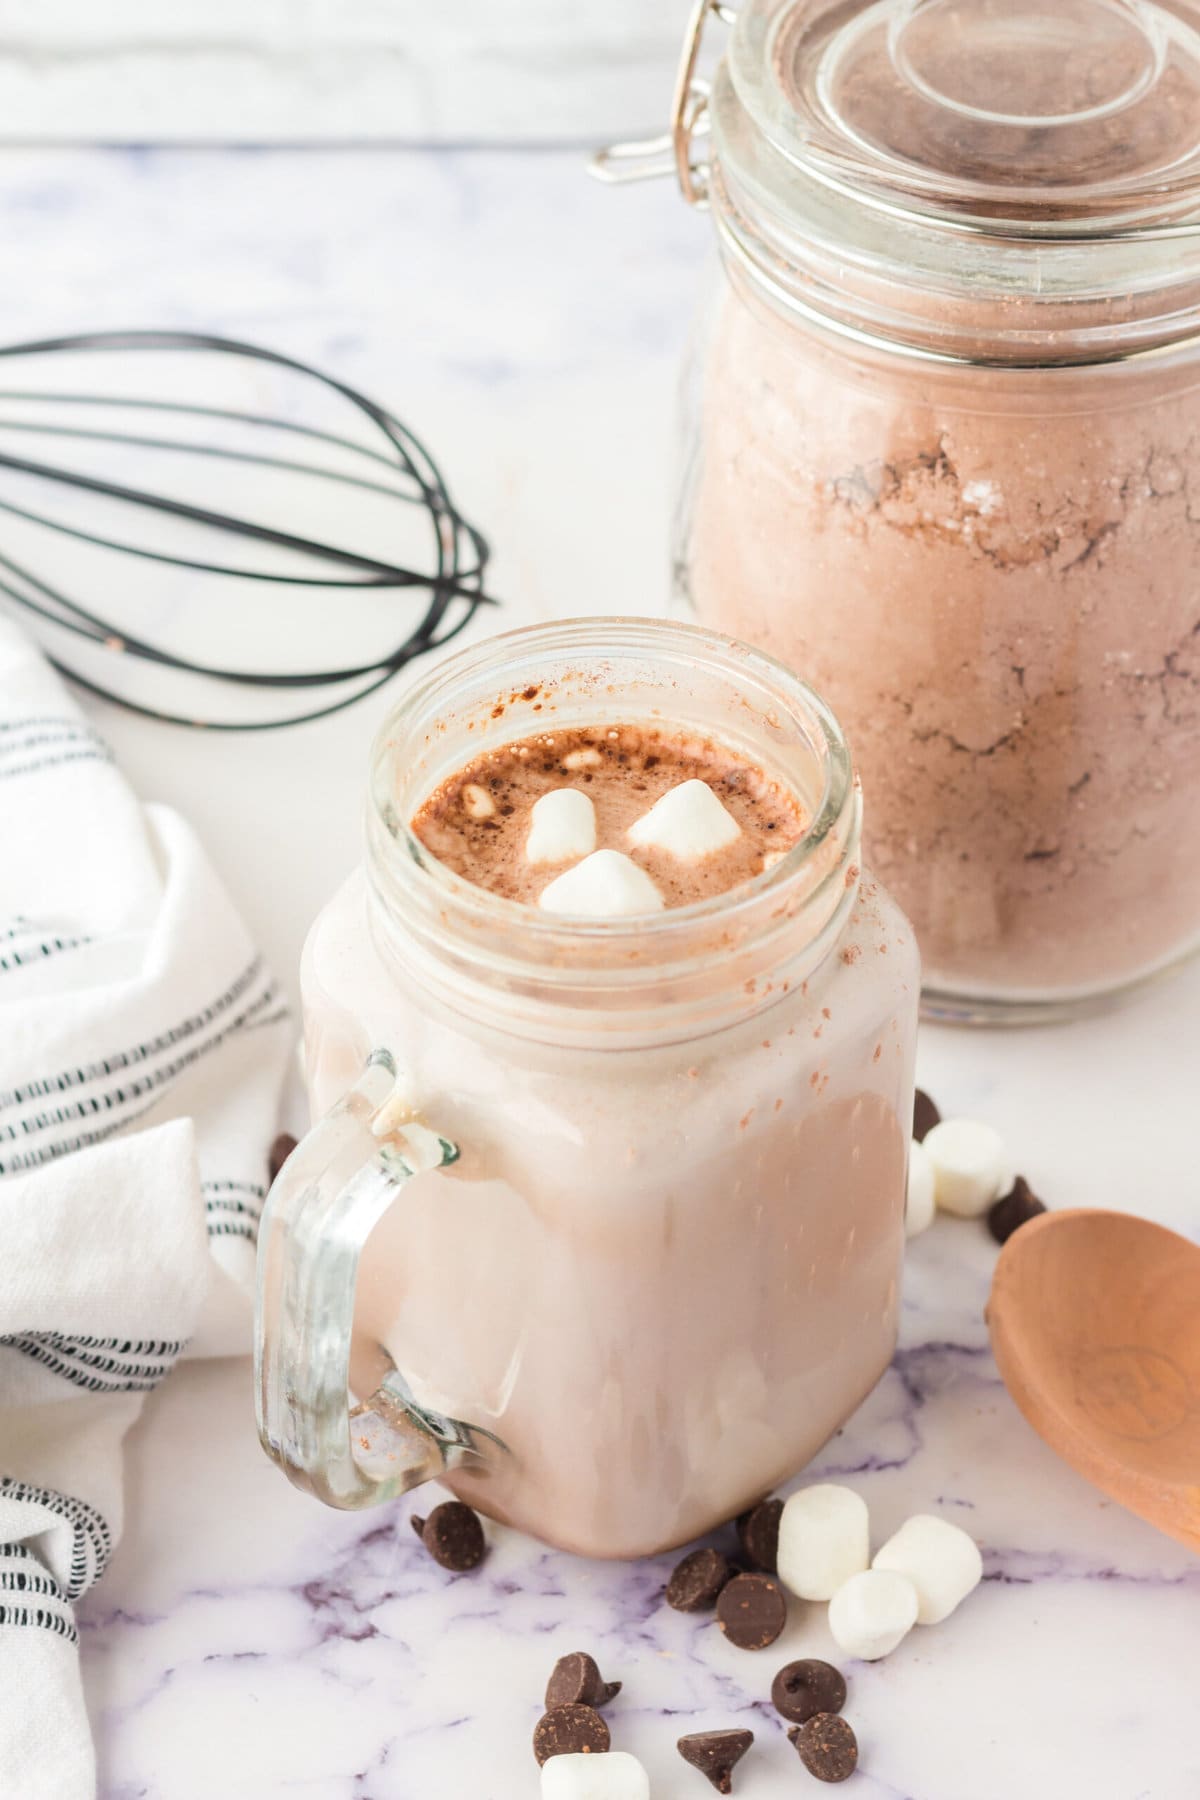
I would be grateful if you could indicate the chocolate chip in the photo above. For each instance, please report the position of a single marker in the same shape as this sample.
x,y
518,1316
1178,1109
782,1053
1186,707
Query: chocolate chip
x,y
280,1150
698,1580
801,1690
453,1536
752,1611
715,1754
576,1681
570,1731
828,1747
758,1534
1014,1210
925,1115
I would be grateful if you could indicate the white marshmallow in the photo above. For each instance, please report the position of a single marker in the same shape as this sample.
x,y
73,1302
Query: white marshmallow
x,y
920,1205
872,1612
562,827
603,1775
969,1165
582,759
477,802
940,1559
688,822
824,1538
605,885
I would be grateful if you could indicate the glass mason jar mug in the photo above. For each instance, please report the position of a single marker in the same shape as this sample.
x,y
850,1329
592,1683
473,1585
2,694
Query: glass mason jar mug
x,y
604,1225
943,452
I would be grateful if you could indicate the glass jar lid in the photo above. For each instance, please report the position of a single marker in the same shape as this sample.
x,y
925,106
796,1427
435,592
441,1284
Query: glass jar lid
x,y
995,182
1032,117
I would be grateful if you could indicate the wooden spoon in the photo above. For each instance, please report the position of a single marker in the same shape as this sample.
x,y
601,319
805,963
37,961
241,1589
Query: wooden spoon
x,y
1095,1326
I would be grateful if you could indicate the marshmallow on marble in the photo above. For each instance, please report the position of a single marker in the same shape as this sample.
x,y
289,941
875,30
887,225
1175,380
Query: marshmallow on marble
x,y
824,1538
969,1165
605,885
688,822
940,1559
872,1612
920,1204
602,1775
562,827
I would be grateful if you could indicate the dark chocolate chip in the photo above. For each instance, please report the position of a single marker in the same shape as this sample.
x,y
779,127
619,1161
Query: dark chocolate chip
x,y
576,1681
698,1580
453,1536
925,1115
752,1611
828,1747
1014,1210
801,1690
570,1731
758,1534
279,1152
716,1754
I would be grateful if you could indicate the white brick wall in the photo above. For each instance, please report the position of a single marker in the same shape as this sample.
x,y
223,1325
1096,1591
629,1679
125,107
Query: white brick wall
x,y
267,70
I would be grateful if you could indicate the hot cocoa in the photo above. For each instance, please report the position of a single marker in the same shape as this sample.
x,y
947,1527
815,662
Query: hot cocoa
x,y
488,822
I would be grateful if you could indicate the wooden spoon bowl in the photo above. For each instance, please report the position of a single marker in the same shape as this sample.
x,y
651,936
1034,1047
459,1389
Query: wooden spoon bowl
x,y
1095,1326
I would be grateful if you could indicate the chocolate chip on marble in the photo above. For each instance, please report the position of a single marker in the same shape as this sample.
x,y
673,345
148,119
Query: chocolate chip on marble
x,y
758,1534
801,1690
570,1731
827,1747
716,1754
752,1611
925,1115
1014,1210
279,1152
453,1536
697,1581
576,1681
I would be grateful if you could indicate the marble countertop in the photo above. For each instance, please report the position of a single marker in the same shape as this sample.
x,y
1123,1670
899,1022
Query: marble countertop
x,y
245,1642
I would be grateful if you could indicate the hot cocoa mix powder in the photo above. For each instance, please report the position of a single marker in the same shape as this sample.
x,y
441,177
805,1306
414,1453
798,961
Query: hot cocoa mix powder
x,y
994,578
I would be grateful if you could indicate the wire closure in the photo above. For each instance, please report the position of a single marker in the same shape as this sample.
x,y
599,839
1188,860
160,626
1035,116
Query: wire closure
x,y
650,158
454,586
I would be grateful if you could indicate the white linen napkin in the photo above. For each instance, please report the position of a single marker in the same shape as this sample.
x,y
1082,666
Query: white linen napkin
x,y
143,1047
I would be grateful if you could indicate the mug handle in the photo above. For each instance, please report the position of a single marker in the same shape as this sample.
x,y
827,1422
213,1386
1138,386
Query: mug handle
x,y
334,1188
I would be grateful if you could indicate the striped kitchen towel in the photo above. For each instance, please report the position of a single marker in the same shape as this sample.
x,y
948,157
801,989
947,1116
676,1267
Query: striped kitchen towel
x,y
143,1046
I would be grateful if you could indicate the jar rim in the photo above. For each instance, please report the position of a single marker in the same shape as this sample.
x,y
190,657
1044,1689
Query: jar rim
x,y
509,944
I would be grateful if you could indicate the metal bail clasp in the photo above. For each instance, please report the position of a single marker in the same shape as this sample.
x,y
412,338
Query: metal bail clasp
x,y
652,157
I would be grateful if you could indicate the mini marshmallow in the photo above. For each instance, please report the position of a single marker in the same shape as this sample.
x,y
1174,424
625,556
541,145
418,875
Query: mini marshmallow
x,y
562,827
920,1204
607,1775
688,822
872,1612
477,802
824,1538
605,885
941,1561
582,759
969,1165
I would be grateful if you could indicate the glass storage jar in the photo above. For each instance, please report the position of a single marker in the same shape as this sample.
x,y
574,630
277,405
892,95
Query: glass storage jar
x,y
944,452
651,1261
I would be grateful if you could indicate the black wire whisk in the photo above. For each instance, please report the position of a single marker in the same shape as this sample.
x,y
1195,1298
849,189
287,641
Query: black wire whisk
x,y
390,463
